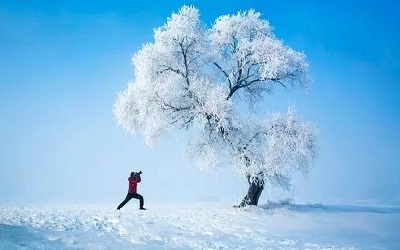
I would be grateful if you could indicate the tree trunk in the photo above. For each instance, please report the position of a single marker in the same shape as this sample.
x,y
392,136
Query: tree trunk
x,y
256,186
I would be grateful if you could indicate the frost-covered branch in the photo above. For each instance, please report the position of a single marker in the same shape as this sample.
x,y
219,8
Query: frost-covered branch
x,y
190,75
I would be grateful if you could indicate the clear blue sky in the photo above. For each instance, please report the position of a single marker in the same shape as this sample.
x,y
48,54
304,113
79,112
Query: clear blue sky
x,y
62,63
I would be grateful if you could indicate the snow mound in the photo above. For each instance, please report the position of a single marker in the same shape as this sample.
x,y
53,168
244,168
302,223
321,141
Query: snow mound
x,y
201,226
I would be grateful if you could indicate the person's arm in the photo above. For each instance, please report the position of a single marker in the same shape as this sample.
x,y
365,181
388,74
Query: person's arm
x,y
138,178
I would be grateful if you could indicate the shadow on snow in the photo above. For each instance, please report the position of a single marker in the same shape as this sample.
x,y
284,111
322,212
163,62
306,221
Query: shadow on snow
x,y
17,237
331,208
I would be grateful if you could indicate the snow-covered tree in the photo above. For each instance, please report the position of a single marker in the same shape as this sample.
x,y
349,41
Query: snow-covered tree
x,y
194,75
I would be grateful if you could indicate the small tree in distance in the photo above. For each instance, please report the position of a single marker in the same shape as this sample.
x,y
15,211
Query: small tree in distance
x,y
194,75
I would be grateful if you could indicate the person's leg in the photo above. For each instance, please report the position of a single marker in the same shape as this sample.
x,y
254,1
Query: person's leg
x,y
138,196
128,197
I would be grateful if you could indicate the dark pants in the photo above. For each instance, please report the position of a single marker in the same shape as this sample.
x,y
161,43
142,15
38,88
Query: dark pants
x,y
130,196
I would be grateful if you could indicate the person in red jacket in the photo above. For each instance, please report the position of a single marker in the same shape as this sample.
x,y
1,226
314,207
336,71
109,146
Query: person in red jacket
x,y
134,179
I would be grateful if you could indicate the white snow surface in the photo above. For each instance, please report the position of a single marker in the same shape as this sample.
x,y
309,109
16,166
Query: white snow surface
x,y
201,226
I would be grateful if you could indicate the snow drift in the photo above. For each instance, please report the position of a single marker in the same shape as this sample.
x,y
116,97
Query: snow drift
x,y
201,226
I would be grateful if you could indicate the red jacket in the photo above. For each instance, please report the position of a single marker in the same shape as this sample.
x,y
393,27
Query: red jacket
x,y
133,181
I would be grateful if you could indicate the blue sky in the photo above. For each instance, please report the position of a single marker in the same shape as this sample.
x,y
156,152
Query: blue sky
x,y
62,63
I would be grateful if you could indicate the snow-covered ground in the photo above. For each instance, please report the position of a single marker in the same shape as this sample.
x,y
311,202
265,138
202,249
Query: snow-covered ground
x,y
201,226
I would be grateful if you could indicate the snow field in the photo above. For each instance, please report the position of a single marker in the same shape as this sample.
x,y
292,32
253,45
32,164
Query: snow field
x,y
200,226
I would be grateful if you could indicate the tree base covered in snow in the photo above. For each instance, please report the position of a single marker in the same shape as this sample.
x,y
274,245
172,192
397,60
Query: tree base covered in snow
x,y
201,226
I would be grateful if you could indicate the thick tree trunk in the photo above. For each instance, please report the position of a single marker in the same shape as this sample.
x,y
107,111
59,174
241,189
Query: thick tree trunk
x,y
253,194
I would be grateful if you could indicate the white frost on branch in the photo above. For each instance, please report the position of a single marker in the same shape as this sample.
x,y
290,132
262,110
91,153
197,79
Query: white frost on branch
x,y
286,144
253,57
194,75
271,150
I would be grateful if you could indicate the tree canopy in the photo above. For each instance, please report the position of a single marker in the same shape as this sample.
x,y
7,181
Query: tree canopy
x,y
192,74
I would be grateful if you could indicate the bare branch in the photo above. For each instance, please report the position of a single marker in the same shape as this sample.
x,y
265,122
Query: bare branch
x,y
169,68
169,105
226,74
